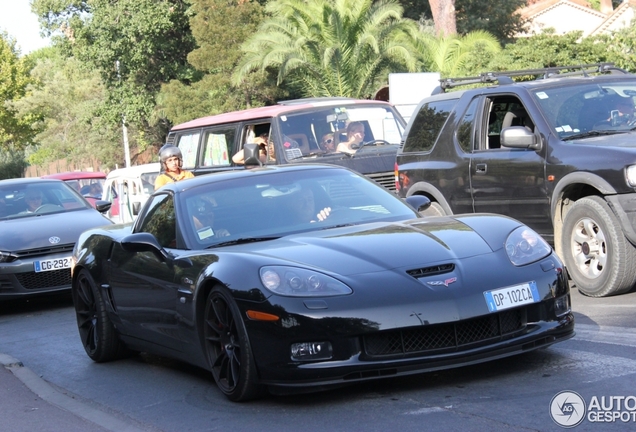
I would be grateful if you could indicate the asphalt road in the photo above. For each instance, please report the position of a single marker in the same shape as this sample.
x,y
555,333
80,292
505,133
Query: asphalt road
x,y
513,394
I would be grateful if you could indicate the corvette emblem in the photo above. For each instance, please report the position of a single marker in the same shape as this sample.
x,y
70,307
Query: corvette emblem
x,y
54,240
446,283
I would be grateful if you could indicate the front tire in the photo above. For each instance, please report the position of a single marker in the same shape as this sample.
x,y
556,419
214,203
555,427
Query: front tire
x,y
227,348
97,332
435,209
600,260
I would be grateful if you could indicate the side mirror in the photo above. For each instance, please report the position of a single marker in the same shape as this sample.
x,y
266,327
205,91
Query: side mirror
x,y
418,202
136,207
102,206
519,137
144,242
251,153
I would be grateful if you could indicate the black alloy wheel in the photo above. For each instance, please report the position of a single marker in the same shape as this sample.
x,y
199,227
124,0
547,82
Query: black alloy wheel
x,y
98,335
227,348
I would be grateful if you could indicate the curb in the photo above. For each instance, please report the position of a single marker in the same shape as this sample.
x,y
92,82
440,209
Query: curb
x,y
47,393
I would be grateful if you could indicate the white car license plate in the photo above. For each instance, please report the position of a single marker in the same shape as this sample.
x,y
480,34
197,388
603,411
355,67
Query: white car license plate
x,y
52,264
516,295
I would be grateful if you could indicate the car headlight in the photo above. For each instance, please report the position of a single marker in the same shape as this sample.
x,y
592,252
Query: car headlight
x,y
298,282
524,246
6,257
630,175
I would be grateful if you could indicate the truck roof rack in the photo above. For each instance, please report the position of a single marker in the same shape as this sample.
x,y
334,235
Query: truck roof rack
x,y
504,77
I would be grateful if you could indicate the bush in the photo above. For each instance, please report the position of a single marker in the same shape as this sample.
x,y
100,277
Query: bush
x,y
12,163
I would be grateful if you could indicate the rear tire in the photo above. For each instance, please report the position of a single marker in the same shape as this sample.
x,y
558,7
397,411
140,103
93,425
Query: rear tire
x,y
600,260
97,332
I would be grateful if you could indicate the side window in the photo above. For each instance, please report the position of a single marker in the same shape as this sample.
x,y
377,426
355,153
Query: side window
x,y
160,220
217,146
465,128
427,125
505,111
188,143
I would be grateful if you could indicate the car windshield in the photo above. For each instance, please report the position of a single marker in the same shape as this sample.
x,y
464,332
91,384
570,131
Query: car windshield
x,y
88,187
318,132
268,206
37,198
588,110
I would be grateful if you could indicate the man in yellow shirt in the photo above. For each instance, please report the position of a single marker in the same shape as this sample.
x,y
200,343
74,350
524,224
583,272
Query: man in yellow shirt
x,y
171,162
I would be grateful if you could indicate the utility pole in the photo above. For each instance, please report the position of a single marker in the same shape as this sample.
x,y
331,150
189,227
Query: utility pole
x,y
123,125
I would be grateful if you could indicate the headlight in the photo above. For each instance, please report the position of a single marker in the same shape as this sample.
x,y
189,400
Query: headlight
x,y
630,175
298,282
6,257
524,246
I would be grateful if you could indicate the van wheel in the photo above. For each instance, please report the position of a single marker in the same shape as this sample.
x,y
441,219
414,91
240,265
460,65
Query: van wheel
x,y
600,260
433,210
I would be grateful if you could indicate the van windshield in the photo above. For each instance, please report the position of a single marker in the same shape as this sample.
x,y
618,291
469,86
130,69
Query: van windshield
x,y
319,132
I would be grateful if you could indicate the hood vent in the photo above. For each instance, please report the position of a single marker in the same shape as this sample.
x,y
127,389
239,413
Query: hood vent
x,y
431,271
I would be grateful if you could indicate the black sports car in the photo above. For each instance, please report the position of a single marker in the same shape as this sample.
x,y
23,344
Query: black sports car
x,y
298,276
40,221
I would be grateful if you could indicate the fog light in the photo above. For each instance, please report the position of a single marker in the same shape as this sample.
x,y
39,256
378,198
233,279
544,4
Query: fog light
x,y
562,305
305,351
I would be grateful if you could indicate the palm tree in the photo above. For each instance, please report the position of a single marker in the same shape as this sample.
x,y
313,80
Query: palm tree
x,y
452,55
333,47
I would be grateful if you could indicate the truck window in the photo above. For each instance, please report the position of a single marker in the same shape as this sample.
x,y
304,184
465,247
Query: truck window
x,y
427,125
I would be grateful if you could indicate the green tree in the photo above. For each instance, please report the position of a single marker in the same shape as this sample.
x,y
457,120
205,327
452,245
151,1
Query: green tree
x,y
65,95
136,45
457,55
548,49
332,47
497,17
219,28
15,131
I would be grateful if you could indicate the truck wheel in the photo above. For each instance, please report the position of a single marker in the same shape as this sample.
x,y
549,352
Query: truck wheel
x,y
600,260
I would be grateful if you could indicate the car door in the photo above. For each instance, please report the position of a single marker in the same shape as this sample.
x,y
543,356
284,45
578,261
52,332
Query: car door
x,y
143,285
509,181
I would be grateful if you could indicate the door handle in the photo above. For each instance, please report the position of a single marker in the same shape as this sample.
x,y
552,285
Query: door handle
x,y
480,169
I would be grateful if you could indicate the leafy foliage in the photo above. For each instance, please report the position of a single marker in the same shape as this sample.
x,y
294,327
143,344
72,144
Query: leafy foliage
x,y
332,47
219,27
496,17
66,95
458,55
15,131
136,45
12,162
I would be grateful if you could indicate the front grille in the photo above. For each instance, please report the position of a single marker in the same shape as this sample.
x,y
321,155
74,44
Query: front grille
x,y
431,271
445,337
49,279
386,180
5,284
45,251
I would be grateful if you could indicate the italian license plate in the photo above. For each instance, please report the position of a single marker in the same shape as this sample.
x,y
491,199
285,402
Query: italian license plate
x,y
52,264
509,297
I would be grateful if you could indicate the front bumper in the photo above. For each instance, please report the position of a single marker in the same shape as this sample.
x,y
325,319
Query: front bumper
x,y
19,279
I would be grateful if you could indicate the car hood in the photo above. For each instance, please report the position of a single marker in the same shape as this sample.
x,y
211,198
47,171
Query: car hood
x,y
383,246
35,231
622,140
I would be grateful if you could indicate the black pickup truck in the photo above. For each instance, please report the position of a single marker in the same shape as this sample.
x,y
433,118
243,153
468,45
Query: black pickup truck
x,y
557,152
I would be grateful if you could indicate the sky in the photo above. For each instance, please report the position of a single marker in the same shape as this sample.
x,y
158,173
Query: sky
x,y
20,23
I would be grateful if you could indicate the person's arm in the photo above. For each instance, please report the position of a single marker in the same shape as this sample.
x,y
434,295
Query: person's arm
x,y
239,157
161,181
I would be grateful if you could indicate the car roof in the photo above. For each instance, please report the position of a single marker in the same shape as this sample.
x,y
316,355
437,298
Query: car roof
x,y
76,175
272,111
135,171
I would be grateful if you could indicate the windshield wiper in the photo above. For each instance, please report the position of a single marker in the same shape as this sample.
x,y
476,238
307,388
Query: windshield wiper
x,y
592,134
243,241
